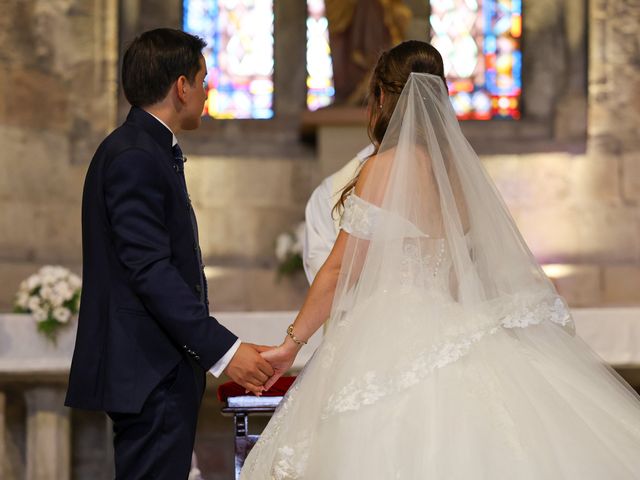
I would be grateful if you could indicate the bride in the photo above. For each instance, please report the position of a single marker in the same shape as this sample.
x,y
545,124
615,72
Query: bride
x,y
447,354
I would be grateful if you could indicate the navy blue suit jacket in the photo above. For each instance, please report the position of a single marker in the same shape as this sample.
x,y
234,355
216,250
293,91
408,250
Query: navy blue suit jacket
x,y
141,309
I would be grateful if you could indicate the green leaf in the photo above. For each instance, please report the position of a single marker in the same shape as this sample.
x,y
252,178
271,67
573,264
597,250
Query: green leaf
x,y
291,266
73,303
49,328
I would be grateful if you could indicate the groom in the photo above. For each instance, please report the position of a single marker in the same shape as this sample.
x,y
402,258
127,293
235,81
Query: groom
x,y
145,337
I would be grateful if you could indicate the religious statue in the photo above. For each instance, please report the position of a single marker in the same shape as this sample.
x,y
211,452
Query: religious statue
x,y
359,30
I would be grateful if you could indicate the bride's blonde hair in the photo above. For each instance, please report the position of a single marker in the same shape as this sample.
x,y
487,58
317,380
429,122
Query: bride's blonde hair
x,y
389,77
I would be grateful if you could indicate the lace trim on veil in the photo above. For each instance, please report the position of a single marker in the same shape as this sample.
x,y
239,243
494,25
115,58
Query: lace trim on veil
x,y
372,386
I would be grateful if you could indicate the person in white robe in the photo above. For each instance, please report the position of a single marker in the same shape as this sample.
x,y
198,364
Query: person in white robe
x,y
321,224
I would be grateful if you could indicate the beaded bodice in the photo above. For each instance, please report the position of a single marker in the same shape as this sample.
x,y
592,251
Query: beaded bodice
x,y
425,261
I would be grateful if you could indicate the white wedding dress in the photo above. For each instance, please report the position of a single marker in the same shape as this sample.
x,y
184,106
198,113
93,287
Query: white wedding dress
x,y
448,354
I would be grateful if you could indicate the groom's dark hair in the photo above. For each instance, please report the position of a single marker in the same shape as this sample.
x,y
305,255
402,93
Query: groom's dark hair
x,y
154,60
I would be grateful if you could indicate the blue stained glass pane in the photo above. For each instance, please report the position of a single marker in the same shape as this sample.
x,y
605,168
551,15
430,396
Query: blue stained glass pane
x,y
517,69
490,44
480,44
239,55
516,6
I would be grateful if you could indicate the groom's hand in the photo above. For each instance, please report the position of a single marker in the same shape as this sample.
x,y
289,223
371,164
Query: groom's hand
x,y
249,369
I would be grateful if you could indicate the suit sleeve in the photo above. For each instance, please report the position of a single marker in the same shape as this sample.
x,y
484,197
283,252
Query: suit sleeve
x,y
135,195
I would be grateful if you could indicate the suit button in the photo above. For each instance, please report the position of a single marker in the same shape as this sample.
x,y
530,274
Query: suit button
x,y
195,247
198,288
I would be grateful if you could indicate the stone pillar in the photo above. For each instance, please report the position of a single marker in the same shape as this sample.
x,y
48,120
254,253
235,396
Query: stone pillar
x,y
614,124
48,455
110,470
614,86
3,428
419,27
571,110
290,56
614,94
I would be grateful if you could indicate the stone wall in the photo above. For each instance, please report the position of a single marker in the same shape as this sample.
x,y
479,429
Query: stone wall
x,y
614,91
614,145
581,208
57,100
59,97
571,211
242,204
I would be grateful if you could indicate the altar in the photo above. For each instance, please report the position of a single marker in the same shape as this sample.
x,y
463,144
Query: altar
x,y
39,369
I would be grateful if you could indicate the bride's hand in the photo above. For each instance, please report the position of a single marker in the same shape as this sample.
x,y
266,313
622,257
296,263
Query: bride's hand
x,y
281,359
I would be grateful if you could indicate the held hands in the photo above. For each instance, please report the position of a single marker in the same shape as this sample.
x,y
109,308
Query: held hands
x,y
281,358
257,368
249,369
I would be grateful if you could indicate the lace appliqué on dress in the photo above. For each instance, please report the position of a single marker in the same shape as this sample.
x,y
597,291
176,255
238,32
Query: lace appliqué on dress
x,y
359,217
289,460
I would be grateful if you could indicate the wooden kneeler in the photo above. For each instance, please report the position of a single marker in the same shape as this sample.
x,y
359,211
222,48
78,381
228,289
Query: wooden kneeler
x,y
241,405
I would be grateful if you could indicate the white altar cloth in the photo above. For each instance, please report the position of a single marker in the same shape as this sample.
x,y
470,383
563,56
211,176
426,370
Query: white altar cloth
x,y
614,333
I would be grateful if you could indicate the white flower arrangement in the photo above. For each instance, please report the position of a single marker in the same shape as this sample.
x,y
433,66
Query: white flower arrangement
x,y
289,250
51,296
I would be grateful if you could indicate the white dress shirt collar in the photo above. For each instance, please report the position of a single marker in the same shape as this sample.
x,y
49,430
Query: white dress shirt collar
x,y
175,140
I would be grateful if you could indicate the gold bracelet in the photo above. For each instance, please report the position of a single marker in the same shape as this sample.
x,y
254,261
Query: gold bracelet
x,y
293,337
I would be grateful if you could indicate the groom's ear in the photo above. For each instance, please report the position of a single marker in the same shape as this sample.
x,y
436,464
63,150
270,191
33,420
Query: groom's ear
x,y
181,88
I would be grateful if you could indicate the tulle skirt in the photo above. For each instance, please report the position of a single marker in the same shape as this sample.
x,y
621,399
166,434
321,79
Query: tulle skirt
x,y
416,388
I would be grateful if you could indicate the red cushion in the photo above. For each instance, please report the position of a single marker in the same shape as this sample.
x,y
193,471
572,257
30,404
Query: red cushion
x,y
232,389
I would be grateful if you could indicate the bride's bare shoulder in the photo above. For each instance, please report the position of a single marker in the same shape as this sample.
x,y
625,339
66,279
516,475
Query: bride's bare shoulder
x,y
375,169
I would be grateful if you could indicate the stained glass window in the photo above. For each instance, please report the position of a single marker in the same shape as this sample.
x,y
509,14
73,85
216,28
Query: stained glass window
x,y
480,43
239,55
320,90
